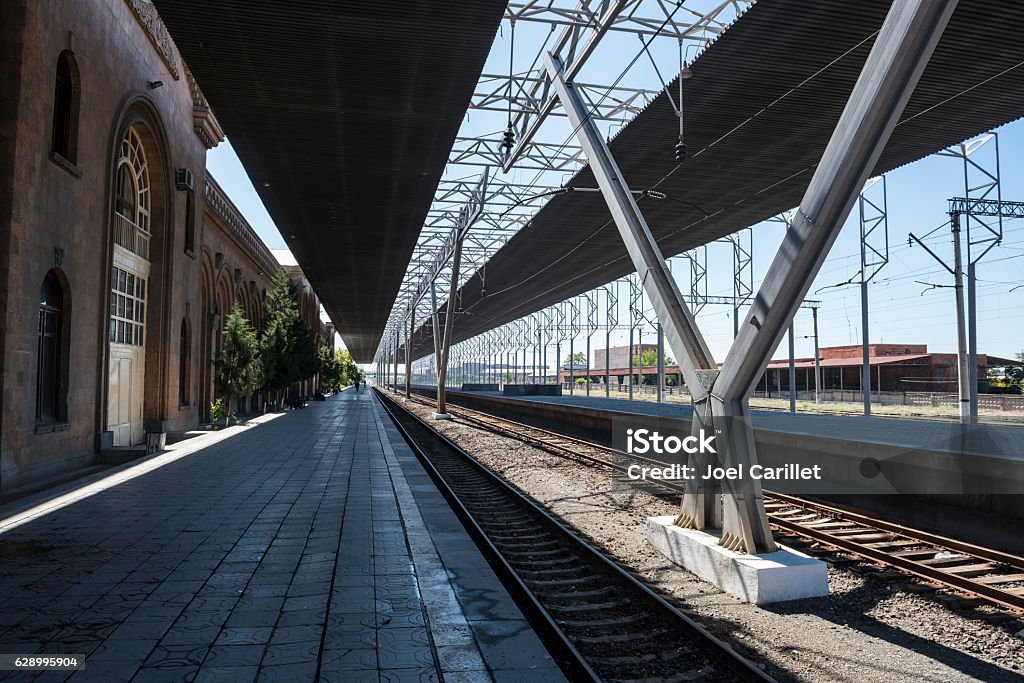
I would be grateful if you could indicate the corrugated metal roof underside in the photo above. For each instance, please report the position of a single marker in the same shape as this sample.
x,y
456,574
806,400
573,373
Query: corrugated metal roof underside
x,y
343,114
760,108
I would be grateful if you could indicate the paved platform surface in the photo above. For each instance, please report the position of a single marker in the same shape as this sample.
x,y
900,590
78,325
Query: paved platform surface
x,y
312,546
985,439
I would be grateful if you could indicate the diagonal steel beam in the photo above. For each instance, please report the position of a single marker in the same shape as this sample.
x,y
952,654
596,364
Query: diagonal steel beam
x,y
539,91
696,363
644,251
900,53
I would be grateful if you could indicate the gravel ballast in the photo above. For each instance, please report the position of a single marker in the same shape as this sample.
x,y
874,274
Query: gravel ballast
x,y
865,630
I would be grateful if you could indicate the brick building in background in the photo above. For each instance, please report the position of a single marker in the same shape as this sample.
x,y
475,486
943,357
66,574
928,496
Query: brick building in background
x,y
894,367
119,256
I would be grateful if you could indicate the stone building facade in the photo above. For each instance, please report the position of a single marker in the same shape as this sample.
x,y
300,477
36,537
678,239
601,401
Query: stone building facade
x,y
119,256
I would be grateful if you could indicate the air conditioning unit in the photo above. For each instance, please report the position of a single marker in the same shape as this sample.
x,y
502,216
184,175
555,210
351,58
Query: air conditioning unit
x,y
184,180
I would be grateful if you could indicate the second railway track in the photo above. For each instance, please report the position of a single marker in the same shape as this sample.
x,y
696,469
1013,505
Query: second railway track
x,y
605,624
985,575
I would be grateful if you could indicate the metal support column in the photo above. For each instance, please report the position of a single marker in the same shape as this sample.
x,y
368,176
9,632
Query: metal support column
x,y
874,255
591,328
900,52
661,364
817,360
468,215
742,273
436,325
697,364
983,211
545,341
792,369
408,354
963,360
631,356
889,75
610,321
865,370
972,339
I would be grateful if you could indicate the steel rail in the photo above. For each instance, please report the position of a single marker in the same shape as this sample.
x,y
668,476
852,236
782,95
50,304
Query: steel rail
x,y
1008,599
707,643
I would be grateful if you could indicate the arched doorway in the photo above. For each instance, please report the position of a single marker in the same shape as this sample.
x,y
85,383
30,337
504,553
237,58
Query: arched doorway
x,y
129,280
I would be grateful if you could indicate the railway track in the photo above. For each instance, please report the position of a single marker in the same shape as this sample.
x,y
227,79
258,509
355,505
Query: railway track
x,y
600,622
983,575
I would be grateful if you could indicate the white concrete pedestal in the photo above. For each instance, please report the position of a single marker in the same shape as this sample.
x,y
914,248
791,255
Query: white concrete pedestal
x,y
441,416
760,579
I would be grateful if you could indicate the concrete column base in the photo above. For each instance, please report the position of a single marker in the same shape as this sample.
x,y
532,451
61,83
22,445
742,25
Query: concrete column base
x,y
760,579
441,416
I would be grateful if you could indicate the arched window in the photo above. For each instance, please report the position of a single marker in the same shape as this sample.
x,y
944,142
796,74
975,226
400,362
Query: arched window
x,y
184,363
131,197
51,360
65,107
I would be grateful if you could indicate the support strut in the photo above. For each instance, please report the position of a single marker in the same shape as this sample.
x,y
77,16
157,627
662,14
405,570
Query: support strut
x,y
901,51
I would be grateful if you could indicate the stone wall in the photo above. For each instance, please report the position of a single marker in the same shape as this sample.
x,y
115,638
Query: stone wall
x,y
56,213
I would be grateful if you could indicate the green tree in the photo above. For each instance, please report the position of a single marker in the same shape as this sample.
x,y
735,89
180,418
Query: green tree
x,y
276,342
288,348
330,370
578,358
238,365
349,370
304,361
649,358
1015,374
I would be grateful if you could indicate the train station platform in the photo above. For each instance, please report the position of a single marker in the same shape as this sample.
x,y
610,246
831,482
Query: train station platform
x,y
933,435
308,545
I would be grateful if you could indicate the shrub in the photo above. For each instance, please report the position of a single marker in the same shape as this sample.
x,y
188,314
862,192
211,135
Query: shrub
x,y
220,411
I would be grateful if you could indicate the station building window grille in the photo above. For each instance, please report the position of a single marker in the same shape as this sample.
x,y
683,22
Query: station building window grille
x,y
127,308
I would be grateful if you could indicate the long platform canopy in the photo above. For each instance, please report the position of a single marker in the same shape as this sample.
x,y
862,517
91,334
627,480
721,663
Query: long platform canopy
x,y
343,114
759,109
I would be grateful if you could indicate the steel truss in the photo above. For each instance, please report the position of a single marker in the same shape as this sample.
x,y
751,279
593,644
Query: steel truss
x,y
698,261
742,243
583,27
525,95
873,205
979,214
635,16
502,94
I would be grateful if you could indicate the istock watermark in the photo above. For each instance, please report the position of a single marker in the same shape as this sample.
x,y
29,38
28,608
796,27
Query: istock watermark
x,y
644,441
690,473
815,455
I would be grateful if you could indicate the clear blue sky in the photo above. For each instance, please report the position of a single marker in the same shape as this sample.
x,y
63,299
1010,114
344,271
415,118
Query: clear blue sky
x,y
901,311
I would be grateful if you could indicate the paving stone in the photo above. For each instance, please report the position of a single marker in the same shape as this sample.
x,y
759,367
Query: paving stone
x,y
244,636
291,653
421,675
226,674
165,673
235,655
259,557
348,659
287,673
